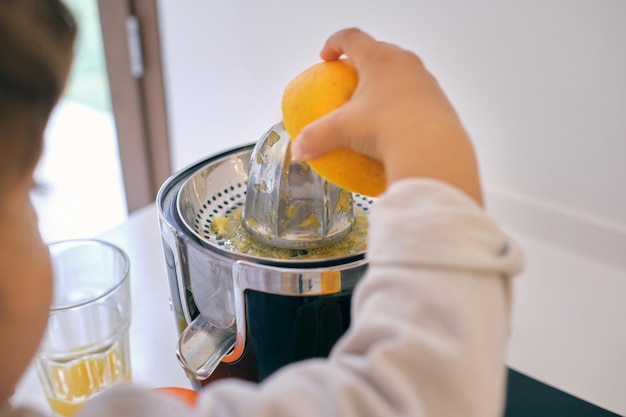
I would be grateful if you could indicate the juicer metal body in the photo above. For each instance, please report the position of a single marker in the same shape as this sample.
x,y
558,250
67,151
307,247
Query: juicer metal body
x,y
210,284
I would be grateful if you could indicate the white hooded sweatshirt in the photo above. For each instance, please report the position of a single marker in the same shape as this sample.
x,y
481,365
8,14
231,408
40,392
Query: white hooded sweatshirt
x,y
428,337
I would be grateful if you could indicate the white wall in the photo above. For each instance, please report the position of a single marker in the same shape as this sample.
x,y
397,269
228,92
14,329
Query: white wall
x,y
540,85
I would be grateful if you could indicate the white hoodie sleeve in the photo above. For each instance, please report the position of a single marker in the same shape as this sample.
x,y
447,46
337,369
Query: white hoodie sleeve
x,y
429,327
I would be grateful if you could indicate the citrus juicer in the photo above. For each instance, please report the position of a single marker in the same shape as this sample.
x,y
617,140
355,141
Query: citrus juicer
x,y
242,312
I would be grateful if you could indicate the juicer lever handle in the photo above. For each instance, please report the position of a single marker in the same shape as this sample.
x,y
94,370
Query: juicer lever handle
x,y
202,346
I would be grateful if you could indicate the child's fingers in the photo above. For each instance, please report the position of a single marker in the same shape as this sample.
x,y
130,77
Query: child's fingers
x,y
343,127
352,42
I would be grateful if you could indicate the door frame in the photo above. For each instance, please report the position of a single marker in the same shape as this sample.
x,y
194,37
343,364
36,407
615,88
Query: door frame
x,y
137,97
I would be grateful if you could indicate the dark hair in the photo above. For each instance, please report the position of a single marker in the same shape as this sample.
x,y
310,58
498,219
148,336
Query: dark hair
x,y
36,51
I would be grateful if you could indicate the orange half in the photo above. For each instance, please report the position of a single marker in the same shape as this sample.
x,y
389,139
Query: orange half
x,y
188,396
314,93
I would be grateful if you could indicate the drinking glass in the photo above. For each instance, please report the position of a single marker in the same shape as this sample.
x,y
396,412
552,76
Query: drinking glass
x,y
85,349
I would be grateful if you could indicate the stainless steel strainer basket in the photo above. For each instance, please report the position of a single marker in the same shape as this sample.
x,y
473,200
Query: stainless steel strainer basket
x,y
214,191
217,190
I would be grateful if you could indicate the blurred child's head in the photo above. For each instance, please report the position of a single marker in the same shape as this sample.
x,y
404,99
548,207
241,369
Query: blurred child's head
x,y
36,50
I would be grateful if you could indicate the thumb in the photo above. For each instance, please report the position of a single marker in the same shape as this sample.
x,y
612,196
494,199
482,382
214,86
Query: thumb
x,y
340,128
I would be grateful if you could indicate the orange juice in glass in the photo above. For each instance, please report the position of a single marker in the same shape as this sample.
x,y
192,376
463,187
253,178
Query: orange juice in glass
x,y
85,349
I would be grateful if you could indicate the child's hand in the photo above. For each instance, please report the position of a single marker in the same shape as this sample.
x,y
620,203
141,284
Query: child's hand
x,y
398,114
